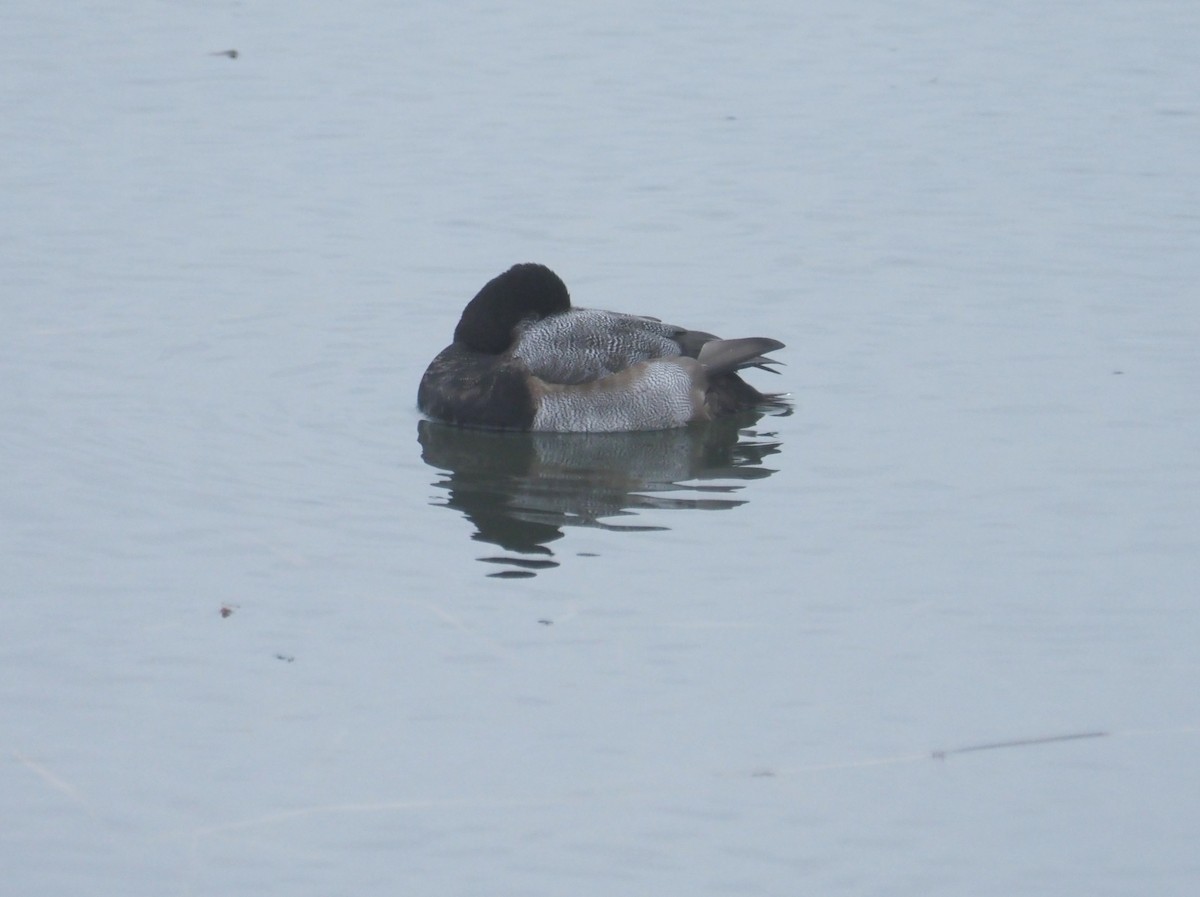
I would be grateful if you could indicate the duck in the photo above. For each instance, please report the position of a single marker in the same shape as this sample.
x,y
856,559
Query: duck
x,y
524,358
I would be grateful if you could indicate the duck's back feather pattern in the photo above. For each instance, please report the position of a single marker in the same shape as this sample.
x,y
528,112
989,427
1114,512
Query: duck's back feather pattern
x,y
587,344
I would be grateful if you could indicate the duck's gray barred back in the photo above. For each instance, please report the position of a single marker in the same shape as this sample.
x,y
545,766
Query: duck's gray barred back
x,y
586,344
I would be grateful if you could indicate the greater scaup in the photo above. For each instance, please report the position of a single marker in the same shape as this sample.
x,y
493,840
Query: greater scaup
x,y
524,359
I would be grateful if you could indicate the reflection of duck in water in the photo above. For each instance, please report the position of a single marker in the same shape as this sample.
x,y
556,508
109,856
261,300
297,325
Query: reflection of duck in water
x,y
524,359
521,489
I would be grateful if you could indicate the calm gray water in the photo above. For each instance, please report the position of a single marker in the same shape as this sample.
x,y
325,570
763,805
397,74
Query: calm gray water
x,y
716,662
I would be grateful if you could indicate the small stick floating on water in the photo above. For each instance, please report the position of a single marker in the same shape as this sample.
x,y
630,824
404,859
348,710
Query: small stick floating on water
x,y
1020,742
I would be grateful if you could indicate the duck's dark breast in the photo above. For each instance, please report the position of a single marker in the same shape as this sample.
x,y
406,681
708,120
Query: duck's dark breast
x,y
476,390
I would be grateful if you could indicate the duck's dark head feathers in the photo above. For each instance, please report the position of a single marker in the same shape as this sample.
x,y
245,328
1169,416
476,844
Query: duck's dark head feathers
x,y
523,292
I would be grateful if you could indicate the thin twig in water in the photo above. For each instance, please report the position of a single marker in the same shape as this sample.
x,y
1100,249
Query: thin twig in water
x,y
54,781
943,754
1020,742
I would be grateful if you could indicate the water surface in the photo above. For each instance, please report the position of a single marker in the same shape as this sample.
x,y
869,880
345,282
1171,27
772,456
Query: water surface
x,y
266,631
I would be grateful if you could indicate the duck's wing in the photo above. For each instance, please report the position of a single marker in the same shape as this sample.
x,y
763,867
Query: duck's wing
x,y
586,344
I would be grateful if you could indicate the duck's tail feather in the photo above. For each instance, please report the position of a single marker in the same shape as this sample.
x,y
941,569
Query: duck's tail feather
x,y
722,355
763,364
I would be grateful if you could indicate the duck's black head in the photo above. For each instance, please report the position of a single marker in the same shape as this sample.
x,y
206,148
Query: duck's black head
x,y
523,291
